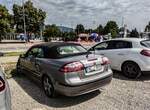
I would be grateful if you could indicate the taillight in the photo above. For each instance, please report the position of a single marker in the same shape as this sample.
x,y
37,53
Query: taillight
x,y
145,52
72,67
2,84
105,61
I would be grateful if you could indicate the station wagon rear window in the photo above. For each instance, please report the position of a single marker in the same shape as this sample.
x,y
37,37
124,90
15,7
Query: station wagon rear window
x,y
71,49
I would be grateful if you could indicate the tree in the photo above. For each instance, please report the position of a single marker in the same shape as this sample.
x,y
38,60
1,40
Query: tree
x,y
4,21
134,33
69,36
111,27
99,29
11,22
79,29
147,28
51,31
34,18
89,31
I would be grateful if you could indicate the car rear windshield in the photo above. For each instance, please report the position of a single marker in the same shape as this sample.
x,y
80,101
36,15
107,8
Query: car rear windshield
x,y
71,50
145,43
67,50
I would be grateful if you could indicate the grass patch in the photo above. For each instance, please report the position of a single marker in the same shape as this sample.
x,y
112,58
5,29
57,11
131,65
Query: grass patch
x,y
10,69
10,73
13,54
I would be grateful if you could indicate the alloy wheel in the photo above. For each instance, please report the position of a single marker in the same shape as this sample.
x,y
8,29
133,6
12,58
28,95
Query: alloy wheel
x,y
131,70
48,87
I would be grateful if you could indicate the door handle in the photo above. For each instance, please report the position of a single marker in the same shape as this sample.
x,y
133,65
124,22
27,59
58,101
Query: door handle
x,y
102,54
37,66
120,54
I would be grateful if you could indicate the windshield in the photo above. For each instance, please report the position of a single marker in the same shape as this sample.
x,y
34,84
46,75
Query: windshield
x,y
71,49
145,43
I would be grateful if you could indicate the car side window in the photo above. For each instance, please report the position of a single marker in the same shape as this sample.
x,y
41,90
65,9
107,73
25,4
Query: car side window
x,y
33,52
40,53
36,52
113,45
123,45
101,46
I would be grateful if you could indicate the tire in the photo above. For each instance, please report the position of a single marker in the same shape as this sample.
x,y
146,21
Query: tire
x,y
131,70
48,87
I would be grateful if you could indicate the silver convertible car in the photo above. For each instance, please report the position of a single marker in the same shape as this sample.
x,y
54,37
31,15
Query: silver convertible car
x,y
65,68
5,98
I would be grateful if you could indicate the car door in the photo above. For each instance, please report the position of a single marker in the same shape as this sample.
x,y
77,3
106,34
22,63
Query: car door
x,y
106,49
103,48
29,60
38,62
120,53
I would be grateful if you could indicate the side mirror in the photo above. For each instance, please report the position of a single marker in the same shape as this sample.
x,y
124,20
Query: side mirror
x,y
92,50
22,56
1,54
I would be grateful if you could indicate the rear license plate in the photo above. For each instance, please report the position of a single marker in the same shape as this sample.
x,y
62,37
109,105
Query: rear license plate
x,y
91,69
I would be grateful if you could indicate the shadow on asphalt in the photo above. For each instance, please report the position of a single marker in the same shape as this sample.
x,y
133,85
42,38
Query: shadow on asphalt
x,y
60,101
119,75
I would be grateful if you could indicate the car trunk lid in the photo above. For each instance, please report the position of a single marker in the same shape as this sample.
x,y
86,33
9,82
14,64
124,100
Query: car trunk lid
x,y
92,64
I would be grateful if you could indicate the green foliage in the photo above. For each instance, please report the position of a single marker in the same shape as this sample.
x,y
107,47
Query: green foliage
x,y
79,29
5,21
12,23
111,27
147,28
51,31
34,17
10,70
13,54
69,36
99,30
134,33
88,31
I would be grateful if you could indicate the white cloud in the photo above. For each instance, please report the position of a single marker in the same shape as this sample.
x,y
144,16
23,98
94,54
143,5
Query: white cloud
x,y
71,12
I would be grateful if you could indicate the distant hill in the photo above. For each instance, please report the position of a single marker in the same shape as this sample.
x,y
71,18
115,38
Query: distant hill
x,y
65,29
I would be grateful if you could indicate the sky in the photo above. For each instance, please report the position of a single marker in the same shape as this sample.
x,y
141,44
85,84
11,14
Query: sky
x,y
91,13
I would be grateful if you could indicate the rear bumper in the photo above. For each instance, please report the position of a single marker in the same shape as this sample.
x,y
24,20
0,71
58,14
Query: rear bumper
x,y
5,100
82,89
145,68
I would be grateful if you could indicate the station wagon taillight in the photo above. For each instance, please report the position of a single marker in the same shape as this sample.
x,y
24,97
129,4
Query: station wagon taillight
x,y
72,67
2,84
105,61
145,52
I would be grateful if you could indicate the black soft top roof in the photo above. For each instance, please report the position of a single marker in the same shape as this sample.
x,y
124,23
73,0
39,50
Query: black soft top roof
x,y
56,44
51,49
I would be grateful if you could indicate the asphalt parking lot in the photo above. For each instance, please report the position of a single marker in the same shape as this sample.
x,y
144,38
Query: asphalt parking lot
x,y
121,94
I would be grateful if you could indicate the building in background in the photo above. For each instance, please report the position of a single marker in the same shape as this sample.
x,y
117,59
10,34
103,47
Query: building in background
x,y
65,29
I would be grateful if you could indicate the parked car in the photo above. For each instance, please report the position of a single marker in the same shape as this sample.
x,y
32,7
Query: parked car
x,y
65,68
5,98
129,55
21,37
